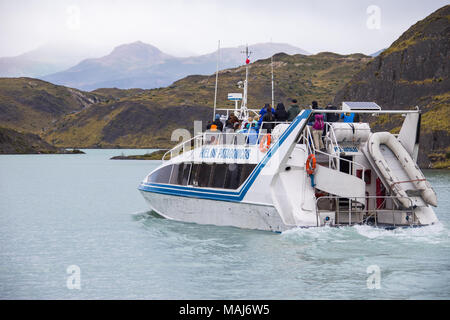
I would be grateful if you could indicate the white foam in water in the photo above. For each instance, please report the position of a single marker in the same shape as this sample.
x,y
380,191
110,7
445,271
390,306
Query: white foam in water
x,y
319,233
433,234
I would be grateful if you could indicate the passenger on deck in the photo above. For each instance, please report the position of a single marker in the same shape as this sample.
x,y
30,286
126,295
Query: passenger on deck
x,y
293,110
350,117
212,135
245,129
231,122
267,119
252,134
263,112
314,106
317,130
218,123
280,114
331,117
256,122
244,123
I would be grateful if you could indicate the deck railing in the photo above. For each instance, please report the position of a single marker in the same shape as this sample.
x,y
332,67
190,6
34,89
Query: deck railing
x,y
334,160
217,137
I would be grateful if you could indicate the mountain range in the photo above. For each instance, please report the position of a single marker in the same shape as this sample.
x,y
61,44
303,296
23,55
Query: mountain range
x,y
376,54
47,59
141,65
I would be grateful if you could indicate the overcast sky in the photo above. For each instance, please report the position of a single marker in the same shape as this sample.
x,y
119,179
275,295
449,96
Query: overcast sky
x,y
184,27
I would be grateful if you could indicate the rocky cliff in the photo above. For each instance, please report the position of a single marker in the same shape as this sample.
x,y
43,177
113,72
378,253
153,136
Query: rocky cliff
x,y
413,71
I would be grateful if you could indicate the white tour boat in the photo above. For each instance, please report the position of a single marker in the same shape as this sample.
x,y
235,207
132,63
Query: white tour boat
x,y
282,181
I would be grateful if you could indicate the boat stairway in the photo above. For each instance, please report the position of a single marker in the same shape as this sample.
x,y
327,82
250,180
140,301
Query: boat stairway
x,y
328,177
339,183
322,160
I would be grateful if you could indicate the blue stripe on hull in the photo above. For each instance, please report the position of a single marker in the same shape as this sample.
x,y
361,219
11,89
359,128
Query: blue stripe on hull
x,y
224,195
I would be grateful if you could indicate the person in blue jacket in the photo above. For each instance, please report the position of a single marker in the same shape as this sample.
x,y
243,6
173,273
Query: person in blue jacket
x,y
250,132
262,112
350,117
347,117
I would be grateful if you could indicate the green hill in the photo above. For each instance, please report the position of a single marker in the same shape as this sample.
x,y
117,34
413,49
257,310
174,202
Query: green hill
x,y
13,142
34,105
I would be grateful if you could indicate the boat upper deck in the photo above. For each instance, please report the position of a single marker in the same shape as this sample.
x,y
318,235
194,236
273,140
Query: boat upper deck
x,y
248,146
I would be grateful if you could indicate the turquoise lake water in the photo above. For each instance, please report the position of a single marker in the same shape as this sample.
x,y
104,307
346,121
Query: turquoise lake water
x,y
58,211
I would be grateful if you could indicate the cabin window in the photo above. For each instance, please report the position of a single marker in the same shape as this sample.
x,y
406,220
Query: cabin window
x,y
186,172
162,175
237,174
222,176
180,174
233,176
204,175
218,175
246,171
175,174
193,179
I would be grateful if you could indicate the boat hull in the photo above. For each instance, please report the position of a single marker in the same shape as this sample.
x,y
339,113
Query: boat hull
x,y
215,212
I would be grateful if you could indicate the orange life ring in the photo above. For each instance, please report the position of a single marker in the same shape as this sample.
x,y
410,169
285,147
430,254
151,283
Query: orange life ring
x,y
311,164
264,145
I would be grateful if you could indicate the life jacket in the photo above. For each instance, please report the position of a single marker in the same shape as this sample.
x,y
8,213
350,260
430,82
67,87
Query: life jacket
x,y
318,123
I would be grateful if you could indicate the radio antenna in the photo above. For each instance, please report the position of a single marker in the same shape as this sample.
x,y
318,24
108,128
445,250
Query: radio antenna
x,y
273,95
217,79
244,111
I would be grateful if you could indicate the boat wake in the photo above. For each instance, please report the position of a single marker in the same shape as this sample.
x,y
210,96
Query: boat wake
x,y
433,234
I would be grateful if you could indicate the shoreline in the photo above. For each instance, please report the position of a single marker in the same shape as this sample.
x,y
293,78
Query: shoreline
x,y
155,155
74,151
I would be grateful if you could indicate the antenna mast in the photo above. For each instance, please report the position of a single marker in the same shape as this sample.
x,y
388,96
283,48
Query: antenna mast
x,y
217,79
244,111
273,95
